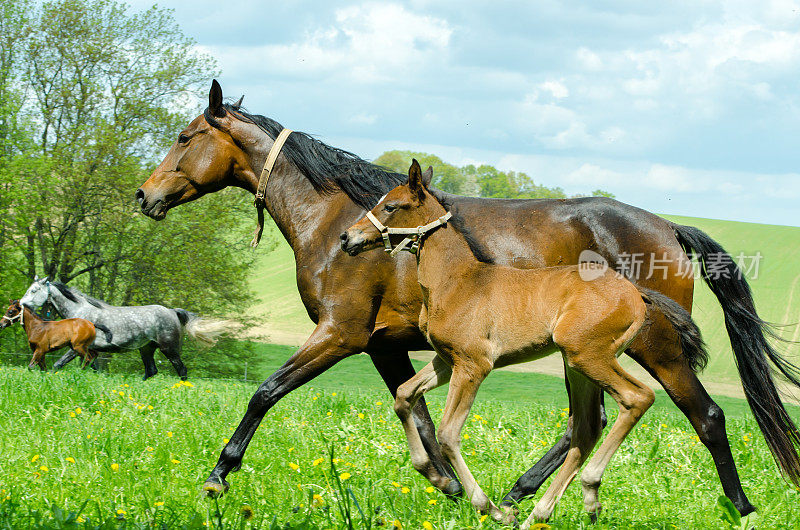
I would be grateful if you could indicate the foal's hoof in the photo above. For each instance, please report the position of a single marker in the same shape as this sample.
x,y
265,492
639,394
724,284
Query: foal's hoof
x,y
508,515
215,488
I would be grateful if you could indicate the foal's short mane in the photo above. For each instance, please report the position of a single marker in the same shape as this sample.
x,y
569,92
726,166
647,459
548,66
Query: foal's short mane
x,y
72,294
328,168
477,248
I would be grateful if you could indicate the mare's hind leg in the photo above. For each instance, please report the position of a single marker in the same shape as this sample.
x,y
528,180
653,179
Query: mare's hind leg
x,y
434,374
585,402
66,358
528,484
149,362
707,418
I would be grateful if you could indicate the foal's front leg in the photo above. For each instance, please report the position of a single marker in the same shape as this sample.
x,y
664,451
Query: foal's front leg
x,y
434,374
466,380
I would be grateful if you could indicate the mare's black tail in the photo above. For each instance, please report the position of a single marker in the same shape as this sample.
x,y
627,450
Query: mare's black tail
x,y
106,331
755,357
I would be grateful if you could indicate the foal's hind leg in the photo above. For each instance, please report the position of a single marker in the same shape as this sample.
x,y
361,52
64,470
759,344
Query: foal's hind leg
x,y
585,401
434,374
149,362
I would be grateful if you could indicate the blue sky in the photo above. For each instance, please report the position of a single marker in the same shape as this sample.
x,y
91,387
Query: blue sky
x,y
690,108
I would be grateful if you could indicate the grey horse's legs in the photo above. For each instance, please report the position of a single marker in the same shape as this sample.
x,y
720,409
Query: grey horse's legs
x,y
173,353
147,352
66,358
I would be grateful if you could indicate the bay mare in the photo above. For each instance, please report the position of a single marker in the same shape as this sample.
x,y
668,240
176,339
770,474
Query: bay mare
x,y
587,313
144,328
371,303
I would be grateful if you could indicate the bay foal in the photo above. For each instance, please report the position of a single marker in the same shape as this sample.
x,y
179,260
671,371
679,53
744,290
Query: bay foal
x,y
45,336
480,316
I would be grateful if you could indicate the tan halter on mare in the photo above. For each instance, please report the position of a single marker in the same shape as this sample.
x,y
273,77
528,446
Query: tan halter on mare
x,y
260,202
414,234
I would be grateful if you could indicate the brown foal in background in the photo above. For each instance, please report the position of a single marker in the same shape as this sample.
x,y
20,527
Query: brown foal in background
x,y
45,336
482,316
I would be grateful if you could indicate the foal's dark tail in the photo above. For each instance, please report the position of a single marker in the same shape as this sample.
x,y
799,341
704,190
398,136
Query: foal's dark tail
x,y
755,357
692,345
106,331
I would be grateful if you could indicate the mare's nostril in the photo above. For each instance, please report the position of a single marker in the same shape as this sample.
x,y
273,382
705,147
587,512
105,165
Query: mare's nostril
x,y
343,237
139,196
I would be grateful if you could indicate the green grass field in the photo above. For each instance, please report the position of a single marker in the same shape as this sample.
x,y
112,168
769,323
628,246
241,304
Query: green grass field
x,y
776,290
108,451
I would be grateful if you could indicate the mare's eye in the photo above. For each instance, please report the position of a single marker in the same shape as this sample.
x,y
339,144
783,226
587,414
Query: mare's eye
x,y
389,207
182,139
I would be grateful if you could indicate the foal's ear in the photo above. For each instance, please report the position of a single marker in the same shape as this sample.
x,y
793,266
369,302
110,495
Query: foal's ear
x,y
427,176
238,104
415,179
215,100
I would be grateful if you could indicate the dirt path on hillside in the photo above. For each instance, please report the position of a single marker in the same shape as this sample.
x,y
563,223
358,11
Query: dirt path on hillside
x,y
549,365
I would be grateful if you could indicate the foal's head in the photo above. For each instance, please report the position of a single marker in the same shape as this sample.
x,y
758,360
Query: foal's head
x,y
12,315
407,206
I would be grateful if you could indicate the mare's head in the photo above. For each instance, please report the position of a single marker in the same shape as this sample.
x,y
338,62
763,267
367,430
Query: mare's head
x,y
37,294
406,206
204,158
13,314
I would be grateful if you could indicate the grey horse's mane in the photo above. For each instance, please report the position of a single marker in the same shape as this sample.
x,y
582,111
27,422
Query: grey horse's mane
x,y
73,294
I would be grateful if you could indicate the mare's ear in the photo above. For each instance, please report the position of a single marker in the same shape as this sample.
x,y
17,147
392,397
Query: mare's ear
x,y
427,176
415,182
36,277
238,104
215,100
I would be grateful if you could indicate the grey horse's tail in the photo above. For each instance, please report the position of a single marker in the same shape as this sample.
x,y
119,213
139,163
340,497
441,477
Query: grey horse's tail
x,y
109,335
202,329
694,349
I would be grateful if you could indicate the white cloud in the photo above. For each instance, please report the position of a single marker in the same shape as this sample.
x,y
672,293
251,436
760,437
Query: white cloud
x,y
364,118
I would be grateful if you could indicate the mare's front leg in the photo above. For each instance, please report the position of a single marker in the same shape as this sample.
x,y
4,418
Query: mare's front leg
x,y
326,346
395,368
434,374
66,358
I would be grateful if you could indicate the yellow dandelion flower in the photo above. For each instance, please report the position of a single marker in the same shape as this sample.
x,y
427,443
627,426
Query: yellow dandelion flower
x,y
430,489
404,490
432,502
79,519
114,467
361,415
70,460
43,469
149,449
71,414
78,410
169,434
329,413
35,458
379,403
121,511
397,524
158,503
294,466
466,436
344,476
149,407
318,461
540,526
98,412
176,461
395,484
225,440
317,500
247,512
483,518
334,394
427,525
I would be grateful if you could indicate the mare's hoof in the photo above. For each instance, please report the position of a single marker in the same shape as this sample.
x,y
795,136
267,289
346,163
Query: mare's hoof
x,y
508,515
215,488
453,490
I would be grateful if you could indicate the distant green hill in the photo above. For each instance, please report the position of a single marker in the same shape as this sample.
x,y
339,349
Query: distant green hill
x,y
776,290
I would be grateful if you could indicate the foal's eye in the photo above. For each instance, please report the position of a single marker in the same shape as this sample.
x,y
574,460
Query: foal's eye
x,y
182,139
389,207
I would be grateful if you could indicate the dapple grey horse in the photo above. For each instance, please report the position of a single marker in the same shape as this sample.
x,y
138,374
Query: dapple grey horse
x,y
142,328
